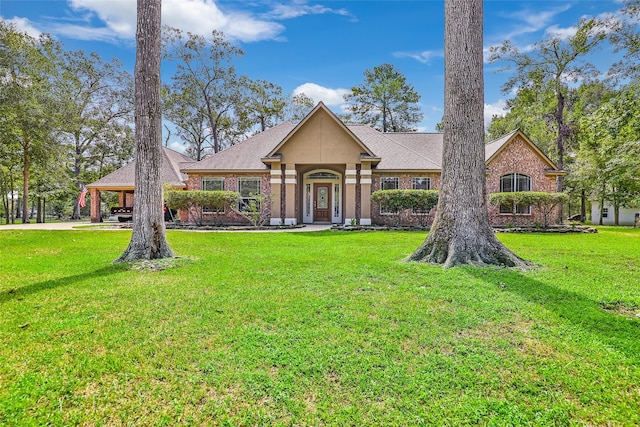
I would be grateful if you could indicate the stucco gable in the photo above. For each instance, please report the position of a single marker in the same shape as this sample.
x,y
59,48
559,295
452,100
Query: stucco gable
x,y
321,138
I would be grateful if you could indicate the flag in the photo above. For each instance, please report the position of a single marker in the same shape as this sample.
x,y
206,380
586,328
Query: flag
x,y
82,202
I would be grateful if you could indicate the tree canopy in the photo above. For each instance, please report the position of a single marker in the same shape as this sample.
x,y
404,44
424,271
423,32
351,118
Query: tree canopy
x,y
385,101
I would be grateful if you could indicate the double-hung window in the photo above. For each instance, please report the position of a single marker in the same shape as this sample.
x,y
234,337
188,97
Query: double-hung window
x,y
514,182
249,189
421,183
388,183
212,184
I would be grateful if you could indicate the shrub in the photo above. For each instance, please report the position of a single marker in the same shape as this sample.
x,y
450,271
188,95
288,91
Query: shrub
x,y
544,202
257,209
195,200
400,200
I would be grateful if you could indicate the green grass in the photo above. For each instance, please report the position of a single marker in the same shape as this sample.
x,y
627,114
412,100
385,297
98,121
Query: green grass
x,y
260,329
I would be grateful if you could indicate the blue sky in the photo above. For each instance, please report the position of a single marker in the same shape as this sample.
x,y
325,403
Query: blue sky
x,y
321,48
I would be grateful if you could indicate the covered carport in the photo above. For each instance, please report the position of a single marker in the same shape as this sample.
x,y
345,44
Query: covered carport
x,y
122,181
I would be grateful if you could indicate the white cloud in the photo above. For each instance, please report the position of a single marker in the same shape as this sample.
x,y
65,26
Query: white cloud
x,y
297,9
117,20
25,26
531,21
498,108
178,146
425,56
331,97
561,33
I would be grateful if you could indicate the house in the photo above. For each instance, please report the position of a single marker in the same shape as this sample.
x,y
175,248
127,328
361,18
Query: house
x,y
324,171
626,215
122,180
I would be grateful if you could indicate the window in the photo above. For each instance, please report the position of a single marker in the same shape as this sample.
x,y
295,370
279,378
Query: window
x,y
422,183
511,183
249,189
212,184
388,183
605,212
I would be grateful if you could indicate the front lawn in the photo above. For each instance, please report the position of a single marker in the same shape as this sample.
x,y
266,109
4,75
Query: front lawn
x,y
327,328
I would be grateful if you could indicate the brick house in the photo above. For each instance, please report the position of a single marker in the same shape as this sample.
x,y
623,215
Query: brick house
x,y
325,171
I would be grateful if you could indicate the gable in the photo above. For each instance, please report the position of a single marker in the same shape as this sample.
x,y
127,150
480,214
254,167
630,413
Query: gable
x,y
515,145
321,138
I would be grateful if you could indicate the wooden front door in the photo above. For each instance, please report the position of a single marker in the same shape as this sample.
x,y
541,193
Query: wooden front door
x,y
322,202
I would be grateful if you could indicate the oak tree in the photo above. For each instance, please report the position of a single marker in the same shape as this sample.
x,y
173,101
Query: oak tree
x,y
461,233
148,240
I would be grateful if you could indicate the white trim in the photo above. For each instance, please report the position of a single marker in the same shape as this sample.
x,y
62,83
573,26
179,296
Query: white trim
x,y
276,181
290,172
351,172
290,221
365,181
275,221
350,181
365,172
290,181
365,221
347,221
277,172
308,196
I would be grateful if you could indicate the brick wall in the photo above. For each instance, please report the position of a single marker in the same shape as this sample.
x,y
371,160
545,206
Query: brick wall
x,y
230,184
519,157
405,182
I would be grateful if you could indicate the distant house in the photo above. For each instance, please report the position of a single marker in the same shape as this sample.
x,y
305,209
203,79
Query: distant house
x,y
122,180
626,215
324,171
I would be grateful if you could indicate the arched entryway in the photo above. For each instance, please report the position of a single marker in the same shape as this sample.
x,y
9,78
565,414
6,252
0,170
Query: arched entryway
x,y
322,197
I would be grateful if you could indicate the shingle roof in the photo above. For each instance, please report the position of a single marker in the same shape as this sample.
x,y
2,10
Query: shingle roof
x,y
246,155
402,151
172,162
494,146
396,151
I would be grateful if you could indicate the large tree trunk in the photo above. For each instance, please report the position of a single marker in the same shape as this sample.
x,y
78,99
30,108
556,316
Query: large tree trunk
x,y
148,240
461,233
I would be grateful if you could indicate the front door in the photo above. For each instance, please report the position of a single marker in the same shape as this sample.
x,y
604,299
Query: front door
x,y
322,203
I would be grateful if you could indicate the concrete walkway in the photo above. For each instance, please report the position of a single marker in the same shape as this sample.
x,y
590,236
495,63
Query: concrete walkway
x,y
82,225
46,226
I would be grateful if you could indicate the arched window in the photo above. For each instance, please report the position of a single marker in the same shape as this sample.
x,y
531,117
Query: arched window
x,y
515,182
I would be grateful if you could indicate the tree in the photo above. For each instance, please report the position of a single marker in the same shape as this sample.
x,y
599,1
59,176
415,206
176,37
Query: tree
x,y
263,104
608,160
96,110
461,233
192,124
148,240
300,105
205,79
553,63
25,102
385,101
625,36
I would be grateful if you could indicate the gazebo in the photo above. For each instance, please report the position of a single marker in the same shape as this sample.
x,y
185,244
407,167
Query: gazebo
x,y
122,180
